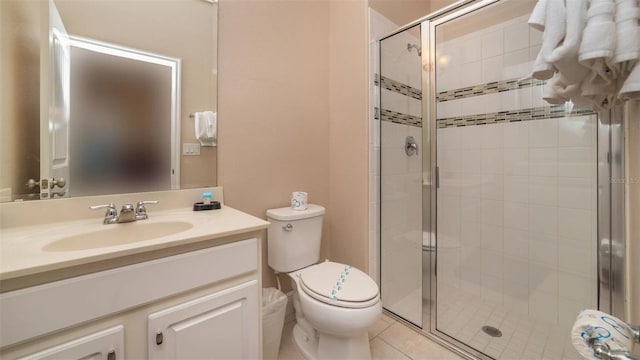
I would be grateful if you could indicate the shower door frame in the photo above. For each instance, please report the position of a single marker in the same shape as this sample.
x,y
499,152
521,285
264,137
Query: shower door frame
x,y
610,203
611,212
429,107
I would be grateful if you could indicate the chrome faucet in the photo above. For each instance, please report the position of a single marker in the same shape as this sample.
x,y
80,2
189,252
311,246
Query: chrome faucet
x,y
127,214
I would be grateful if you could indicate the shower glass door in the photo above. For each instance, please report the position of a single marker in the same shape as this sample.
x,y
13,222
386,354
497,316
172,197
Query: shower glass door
x,y
400,115
516,202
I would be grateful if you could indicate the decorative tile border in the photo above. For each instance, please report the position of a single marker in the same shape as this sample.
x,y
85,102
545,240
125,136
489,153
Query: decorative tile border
x,y
397,118
545,112
485,89
397,87
477,90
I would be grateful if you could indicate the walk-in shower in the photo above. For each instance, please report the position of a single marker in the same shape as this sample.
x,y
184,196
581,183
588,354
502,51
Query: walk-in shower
x,y
489,232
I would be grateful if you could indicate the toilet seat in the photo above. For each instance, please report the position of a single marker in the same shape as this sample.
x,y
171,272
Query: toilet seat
x,y
339,285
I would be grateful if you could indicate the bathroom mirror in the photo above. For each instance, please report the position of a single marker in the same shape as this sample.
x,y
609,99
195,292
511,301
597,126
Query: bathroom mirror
x,y
47,113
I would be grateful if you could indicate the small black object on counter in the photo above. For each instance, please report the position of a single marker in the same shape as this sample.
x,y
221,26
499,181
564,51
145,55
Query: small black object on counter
x,y
200,206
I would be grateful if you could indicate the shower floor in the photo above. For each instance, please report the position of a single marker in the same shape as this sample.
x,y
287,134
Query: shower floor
x,y
462,315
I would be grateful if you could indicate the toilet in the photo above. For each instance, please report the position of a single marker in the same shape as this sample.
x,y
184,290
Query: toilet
x,y
335,304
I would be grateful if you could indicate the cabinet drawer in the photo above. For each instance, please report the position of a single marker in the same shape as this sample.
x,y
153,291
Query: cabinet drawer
x,y
73,301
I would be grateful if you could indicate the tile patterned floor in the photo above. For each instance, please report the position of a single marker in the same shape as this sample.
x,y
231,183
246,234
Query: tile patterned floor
x,y
389,340
462,316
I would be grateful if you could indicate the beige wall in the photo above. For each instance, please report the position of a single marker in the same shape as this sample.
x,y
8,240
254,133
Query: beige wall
x,y
402,12
349,137
274,106
439,4
19,106
163,30
293,110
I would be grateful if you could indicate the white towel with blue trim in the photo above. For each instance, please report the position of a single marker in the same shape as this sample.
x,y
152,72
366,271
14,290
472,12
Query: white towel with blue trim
x,y
609,330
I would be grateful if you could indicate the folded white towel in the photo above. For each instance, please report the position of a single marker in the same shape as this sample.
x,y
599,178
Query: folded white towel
x,y
631,87
551,94
599,41
565,56
602,96
554,31
558,91
538,16
590,51
206,125
627,33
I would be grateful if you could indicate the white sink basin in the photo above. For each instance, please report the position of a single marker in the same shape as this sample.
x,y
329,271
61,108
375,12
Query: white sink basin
x,y
118,234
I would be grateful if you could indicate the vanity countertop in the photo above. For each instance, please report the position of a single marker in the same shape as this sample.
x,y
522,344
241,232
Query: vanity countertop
x,y
29,250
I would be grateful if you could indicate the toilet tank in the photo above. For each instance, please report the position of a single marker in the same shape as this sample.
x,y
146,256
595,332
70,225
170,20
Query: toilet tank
x,y
293,238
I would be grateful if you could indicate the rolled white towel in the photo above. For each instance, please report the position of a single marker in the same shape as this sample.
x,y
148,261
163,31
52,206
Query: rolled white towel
x,y
554,32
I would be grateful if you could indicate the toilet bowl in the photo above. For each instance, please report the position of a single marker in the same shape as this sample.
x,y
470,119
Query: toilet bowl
x,y
335,304
338,324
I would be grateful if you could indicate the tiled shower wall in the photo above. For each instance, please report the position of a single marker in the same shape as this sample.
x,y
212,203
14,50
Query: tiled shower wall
x,y
517,198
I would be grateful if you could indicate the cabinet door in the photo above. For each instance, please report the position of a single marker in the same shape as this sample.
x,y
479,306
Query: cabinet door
x,y
222,325
107,344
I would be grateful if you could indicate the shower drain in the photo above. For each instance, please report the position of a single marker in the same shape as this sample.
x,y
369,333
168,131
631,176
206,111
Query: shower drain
x,y
491,331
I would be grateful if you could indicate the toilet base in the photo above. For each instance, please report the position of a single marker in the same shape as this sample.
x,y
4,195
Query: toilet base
x,y
331,347
308,345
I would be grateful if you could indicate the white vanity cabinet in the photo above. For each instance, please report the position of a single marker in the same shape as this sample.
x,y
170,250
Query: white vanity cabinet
x,y
222,325
107,344
199,304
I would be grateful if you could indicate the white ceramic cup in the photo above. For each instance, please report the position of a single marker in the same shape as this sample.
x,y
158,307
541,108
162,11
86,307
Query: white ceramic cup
x,y
299,200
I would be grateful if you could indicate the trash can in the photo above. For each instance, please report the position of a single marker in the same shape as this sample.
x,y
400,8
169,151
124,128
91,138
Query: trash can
x,y
274,305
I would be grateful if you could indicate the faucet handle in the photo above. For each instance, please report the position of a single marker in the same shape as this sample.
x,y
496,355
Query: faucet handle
x,y
141,210
111,216
109,207
142,203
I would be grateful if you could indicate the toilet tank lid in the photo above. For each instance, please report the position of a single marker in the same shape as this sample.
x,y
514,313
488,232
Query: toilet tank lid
x,y
288,214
